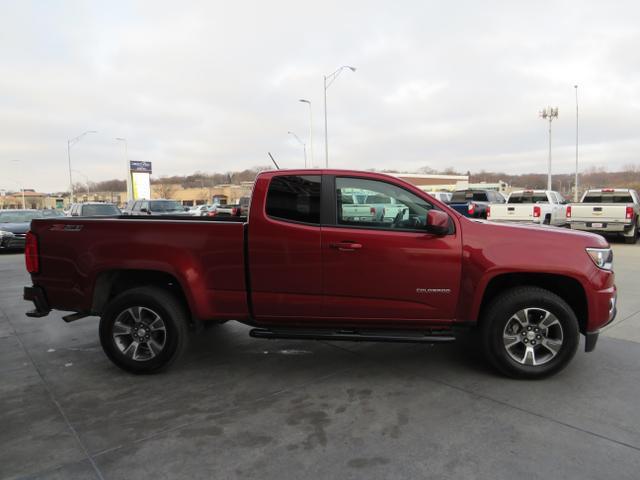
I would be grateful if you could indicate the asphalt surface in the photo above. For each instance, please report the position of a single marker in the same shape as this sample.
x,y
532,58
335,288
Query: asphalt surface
x,y
236,407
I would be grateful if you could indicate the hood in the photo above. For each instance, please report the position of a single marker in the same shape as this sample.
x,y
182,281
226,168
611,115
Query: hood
x,y
15,227
540,233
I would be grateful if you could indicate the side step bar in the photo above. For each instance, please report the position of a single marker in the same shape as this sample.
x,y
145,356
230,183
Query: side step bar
x,y
72,317
432,336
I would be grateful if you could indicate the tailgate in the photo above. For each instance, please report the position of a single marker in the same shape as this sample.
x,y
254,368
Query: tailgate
x,y
512,212
599,212
462,208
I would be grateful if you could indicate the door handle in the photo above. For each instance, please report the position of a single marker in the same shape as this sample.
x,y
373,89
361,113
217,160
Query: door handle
x,y
346,246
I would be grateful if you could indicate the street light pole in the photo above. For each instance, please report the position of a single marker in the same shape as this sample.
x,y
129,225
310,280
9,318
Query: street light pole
x,y
328,80
549,114
87,180
575,193
70,143
21,185
304,147
310,130
128,174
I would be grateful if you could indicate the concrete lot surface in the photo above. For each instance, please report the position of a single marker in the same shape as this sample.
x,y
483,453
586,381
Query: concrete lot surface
x,y
236,407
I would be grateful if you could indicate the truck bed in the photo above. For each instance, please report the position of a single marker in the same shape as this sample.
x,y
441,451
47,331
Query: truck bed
x,y
205,254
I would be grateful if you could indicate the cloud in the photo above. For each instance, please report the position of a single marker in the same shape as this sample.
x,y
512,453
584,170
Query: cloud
x,y
213,86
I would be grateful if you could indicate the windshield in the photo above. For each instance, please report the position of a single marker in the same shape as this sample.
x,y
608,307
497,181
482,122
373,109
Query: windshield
x,y
528,197
165,206
19,216
52,213
106,209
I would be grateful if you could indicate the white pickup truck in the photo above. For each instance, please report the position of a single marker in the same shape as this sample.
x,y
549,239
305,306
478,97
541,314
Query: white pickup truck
x,y
531,206
607,210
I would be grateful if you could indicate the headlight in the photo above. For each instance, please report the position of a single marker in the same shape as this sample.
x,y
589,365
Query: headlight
x,y
602,257
4,233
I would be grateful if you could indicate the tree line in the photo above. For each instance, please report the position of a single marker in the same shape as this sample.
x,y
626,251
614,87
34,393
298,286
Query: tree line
x,y
592,177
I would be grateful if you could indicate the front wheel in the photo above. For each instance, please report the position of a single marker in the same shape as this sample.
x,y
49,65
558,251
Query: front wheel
x,y
143,330
529,332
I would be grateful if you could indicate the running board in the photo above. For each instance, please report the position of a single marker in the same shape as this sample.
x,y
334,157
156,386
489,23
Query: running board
x,y
432,336
72,317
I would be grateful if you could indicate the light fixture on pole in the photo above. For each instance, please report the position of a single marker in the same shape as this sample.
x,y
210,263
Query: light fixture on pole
x,y
304,147
575,192
328,80
70,143
310,130
127,172
549,114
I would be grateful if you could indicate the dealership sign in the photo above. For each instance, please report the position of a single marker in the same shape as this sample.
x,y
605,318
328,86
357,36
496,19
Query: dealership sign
x,y
142,167
140,179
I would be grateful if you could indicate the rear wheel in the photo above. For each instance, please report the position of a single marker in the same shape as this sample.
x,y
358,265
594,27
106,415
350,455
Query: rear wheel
x,y
143,330
529,332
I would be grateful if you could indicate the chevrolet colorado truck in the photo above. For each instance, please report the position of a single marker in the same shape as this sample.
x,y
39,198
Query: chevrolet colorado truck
x,y
295,268
608,210
531,206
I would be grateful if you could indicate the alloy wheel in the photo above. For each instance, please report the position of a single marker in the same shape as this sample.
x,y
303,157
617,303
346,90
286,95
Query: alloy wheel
x,y
533,336
139,333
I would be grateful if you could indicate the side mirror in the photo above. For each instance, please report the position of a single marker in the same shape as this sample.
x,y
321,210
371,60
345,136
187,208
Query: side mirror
x,y
437,222
144,210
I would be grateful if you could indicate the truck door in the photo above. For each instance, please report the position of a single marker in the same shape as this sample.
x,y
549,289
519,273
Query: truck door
x,y
284,250
388,268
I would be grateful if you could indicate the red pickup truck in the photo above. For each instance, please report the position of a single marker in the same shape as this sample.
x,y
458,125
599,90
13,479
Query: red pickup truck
x,y
297,267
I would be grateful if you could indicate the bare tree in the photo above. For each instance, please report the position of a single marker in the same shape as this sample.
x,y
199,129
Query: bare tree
x,y
165,188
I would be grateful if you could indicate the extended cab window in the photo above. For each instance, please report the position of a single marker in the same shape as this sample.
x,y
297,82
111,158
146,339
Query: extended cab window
x,y
295,198
380,205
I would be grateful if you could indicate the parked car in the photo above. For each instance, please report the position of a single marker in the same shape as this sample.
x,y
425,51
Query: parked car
x,y
607,210
298,267
199,210
350,209
444,197
52,212
14,225
474,203
94,209
155,207
531,206
240,209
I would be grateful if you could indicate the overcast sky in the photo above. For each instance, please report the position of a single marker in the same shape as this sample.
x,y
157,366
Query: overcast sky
x,y
214,85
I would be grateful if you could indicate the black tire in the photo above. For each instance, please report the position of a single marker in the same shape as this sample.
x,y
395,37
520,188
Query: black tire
x,y
532,304
547,220
144,303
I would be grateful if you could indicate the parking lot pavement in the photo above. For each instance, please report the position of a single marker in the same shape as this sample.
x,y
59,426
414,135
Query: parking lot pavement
x,y
237,407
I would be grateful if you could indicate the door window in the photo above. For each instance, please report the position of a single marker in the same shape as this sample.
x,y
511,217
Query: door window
x,y
378,205
295,198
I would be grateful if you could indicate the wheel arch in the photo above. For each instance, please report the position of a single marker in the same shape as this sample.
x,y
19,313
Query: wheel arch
x,y
110,284
567,288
